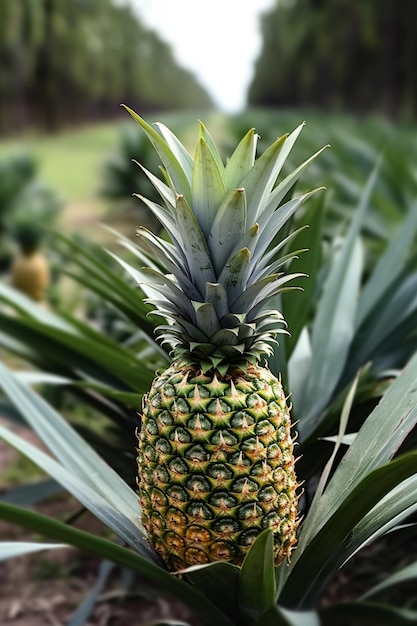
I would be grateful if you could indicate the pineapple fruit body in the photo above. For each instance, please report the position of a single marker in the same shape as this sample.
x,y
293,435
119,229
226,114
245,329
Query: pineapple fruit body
x,y
30,274
216,465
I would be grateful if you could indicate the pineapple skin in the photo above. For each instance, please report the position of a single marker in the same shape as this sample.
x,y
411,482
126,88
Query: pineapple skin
x,y
216,465
30,275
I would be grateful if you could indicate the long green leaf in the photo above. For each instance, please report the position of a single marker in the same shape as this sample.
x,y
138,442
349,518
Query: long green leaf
x,y
229,225
32,492
241,160
332,333
257,588
87,606
13,549
377,441
334,323
87,542
129,530
208,189
169,155
296,307
366,614
405,574
389,266
71,450
330,547
278,616
220,583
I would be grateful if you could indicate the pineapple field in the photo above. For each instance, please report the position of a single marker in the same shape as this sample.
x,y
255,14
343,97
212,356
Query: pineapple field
x,y
211,369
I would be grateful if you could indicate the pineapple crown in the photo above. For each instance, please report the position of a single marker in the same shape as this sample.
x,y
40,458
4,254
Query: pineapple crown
x,y
222,264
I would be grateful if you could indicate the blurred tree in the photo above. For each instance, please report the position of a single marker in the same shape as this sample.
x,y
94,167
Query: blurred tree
x,y
65,62
338,54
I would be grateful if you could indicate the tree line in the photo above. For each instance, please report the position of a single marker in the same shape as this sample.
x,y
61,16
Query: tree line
x,y
70,61
338,55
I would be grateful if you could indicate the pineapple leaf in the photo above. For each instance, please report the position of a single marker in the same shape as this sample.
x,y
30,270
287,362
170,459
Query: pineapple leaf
x,y
229,226
262,267
367,614
257,586
195,246
13,549
258,294
93,497
386,515
278,616
206,317
298,309
235,273
406,573
271,223
161,579
164,216
204,134
373,446
178,149
166,193
389,266
174,167
241,160
217,296
219,582
259,181
208,188
333,327
280,191
335,542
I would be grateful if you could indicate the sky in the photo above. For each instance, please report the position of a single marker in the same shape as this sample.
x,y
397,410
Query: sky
x,y
218,40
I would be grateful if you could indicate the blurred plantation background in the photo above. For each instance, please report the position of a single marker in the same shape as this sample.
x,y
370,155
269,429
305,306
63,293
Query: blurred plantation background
x,y
75,61
338,55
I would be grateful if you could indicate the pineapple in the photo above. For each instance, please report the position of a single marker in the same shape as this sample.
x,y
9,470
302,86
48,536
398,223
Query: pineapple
x,y
215,447
36,209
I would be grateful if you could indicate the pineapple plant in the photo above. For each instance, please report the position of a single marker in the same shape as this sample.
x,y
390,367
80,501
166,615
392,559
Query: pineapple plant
x,y
215,449
36,210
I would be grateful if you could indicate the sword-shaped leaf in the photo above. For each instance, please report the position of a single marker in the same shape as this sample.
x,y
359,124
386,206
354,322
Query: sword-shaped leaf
x,y
260,292
257,586
166,193
169,158
204,133
281,190
261,179
271,223
228,227
235,273
216,294
241,160
206,317
105,549
208,188
195,246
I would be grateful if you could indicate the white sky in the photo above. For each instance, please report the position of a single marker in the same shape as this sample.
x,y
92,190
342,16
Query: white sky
x,y
218,40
